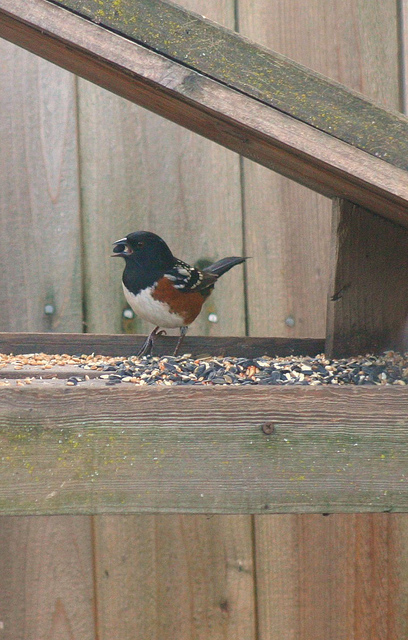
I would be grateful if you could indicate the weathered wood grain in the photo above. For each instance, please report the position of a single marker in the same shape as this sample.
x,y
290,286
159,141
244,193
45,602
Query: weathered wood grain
x,y
310,575
368,299
46,563
176,577
46,569
165,179
223,55
305,569
38,182
340,577
236,120
101,449
125,345
403,32
161,177
313,594
290,225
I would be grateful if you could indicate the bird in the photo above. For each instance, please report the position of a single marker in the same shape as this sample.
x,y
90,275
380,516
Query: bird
x,y
162,289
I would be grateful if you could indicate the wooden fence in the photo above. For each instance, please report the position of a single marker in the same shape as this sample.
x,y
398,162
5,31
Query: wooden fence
x,y
81,167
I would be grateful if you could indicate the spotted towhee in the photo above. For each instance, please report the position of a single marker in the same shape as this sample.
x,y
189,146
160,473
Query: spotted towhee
x,y
162,289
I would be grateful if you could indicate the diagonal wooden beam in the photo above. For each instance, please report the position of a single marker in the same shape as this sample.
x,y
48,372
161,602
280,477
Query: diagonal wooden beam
x,y
227,57
247,113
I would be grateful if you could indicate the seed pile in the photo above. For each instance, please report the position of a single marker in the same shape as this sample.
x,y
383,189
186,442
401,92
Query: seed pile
x,y
370,370
45,361
388,369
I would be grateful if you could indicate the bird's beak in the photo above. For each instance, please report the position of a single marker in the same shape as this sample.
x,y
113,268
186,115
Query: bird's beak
x,y
121,248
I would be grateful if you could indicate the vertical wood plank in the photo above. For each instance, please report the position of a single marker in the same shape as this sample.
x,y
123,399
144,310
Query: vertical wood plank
x,y
177,577
142,172
160,178
287,226
399,523
368,302
46,578
164,577
403,60
39,195
306,567
46,563
341,577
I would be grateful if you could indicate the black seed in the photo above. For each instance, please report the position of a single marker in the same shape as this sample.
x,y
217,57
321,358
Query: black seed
x,y
320,369
169,366
200,370
247,363
209,374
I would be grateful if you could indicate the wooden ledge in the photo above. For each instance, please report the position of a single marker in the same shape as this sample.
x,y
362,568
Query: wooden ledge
x,y
94,449
126,345
246,98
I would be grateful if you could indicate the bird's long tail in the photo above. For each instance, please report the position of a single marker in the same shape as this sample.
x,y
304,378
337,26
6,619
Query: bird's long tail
x,y
222,266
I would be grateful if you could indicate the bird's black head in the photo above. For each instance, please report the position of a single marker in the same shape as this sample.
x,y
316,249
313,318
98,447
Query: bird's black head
x,y
144,249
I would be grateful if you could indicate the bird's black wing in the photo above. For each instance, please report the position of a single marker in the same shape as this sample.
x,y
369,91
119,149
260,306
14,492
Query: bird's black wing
x,y
188,279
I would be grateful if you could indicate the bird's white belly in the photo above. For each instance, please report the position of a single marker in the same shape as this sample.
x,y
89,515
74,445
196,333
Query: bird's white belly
x,y
146,307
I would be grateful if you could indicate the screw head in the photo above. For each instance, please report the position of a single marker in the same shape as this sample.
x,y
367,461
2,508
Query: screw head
x,y
128,313
268,428
212,317
49,309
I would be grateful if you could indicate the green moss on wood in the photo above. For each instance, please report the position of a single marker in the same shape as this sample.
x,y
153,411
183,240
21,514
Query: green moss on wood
x,y
269,77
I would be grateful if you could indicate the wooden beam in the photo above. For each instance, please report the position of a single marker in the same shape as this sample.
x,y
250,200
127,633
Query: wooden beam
x,y
227,57
126,345
368,300
95,449
243,115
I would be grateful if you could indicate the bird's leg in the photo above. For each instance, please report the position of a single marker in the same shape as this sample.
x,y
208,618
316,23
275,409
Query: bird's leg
x,y
149,342
183,331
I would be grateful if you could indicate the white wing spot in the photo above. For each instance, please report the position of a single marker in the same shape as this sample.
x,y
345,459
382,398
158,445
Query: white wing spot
x,y
183,271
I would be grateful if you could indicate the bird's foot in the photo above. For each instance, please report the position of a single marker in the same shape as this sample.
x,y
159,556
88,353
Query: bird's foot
x,y
147,347
183,331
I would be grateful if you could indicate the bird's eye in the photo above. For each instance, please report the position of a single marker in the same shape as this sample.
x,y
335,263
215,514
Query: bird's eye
x,y
140,244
